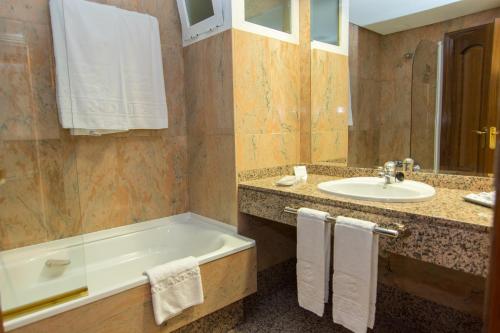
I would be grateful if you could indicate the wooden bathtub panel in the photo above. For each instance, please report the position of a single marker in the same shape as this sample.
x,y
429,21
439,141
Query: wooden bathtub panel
x,y
225,281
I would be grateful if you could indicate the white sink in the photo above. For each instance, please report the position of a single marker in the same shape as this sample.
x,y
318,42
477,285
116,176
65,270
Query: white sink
x,y
375,189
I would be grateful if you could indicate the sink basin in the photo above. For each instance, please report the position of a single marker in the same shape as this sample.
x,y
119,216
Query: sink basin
x,y
375,189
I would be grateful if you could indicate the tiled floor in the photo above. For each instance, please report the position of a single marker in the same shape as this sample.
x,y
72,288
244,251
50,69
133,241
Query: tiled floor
x,y
274,309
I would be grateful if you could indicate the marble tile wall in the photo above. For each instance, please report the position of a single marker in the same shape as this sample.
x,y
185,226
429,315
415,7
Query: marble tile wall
x,y
305,80
381,87
266,82
209,94
329,106
364,70
59,185
244,105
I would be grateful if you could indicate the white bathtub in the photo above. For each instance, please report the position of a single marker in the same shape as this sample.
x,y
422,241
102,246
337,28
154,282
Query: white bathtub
x,y
109,261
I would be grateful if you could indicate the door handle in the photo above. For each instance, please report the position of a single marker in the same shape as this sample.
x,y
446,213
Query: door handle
x,y
493,138
482,133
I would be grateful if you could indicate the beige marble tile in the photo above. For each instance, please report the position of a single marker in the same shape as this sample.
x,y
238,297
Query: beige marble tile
x,y
22,212
169,21
329,106
42,72
212,177
25,10
103,195
266,84
128,180
209,92
364,68
305,80
266,150
155,173
60,185
267,101
59,188
16,95
173,72
211,144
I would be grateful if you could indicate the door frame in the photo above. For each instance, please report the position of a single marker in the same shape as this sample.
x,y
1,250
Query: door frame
x,y
492,311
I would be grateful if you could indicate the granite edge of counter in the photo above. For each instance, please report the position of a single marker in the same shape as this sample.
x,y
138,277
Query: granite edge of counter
x,y
359,206
450,245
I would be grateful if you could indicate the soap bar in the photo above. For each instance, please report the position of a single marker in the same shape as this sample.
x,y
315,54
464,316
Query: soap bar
x,y
287,181
483,199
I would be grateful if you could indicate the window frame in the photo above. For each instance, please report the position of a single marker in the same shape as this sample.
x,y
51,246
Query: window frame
x,y
343,47
191,33
239,22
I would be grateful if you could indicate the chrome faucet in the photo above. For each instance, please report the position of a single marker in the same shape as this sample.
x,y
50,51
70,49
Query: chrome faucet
x,y
396,171
390,172
387,171
410,166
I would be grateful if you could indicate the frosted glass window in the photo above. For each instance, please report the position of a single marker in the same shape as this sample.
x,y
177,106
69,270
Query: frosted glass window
x,y
325,21
271,14
199,10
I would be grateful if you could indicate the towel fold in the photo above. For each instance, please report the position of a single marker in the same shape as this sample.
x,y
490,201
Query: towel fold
x,y
175,286
355,260
109,71
313,259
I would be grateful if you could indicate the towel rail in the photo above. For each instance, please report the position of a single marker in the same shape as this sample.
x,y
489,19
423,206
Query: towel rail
x,y
378,230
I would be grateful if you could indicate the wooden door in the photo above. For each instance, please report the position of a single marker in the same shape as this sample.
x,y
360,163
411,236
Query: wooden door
x,y
465,120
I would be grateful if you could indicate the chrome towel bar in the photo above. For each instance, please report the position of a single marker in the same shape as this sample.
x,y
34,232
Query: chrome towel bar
x,y
381,231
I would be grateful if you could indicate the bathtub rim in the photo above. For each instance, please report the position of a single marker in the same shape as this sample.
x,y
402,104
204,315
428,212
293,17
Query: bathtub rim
x,y
117,232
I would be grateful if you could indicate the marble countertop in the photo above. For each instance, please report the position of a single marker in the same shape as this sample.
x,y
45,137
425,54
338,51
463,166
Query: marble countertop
x,y
447,206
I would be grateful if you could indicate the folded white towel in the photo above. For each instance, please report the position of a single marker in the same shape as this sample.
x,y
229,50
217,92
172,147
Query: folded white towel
x,y
355,259
175,286
313,259
142,71
109,71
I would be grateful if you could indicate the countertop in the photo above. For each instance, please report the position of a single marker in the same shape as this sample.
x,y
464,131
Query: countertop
x,y
447,205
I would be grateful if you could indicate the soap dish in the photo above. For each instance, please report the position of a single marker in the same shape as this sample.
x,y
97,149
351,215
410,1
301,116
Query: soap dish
x,y
287,181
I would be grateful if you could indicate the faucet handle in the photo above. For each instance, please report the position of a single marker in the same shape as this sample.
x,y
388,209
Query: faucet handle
x,y
381,172
389,166
408,164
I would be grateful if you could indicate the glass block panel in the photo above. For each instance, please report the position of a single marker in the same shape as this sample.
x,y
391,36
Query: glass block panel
x,y
199,10
325,21
274,14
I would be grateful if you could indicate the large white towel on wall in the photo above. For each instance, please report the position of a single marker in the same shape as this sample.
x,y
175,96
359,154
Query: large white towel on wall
x,y
109,69
175,286
313,259
355,260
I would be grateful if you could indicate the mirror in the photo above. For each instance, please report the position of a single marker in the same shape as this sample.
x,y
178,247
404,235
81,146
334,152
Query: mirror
x,y
419,84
